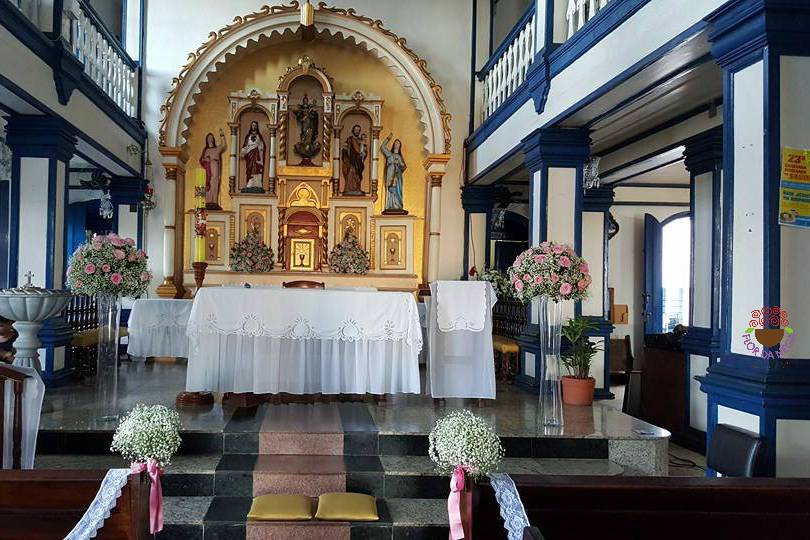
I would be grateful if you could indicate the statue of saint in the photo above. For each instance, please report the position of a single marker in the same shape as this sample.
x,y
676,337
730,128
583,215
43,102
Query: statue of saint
x,y
353,162
211,161
394,167
307,117
253,153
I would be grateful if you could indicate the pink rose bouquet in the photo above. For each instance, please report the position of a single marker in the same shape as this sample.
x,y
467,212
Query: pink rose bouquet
x,y
551,270
109,265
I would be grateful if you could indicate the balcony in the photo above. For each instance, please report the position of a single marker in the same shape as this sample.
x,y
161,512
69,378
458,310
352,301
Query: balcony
x,y
83,34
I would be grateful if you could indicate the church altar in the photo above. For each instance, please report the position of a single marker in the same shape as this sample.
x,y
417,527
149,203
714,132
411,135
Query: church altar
x,y
303,341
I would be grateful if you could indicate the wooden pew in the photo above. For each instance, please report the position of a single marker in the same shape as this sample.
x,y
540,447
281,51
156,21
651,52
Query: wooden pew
x,y
46,505
567,507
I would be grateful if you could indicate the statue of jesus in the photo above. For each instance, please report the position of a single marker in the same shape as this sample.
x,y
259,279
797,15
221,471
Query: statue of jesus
x,y
253,153
211,161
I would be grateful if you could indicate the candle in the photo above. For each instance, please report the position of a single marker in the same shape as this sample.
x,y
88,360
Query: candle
x,y
199,215
199,248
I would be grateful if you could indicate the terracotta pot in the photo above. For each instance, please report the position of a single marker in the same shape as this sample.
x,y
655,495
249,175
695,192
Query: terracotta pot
x,y
578,391
769,336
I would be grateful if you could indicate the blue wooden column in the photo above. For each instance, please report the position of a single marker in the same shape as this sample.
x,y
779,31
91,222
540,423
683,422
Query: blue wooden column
x,y
555,158
477,202
41,147
703,157
596,204
763,49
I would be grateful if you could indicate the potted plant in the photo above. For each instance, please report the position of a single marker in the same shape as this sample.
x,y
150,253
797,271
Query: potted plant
x,y
578,385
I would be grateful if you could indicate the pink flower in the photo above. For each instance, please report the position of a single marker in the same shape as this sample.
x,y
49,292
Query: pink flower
x,y
79,284
114,240
145,276
116,278
129,241
527,278
140,254
119,254
131,257
539,259
95,246
538,279
89,268
554,278
583,283
557,249
518,285
105,267
565,288
565,262
546,249
583,267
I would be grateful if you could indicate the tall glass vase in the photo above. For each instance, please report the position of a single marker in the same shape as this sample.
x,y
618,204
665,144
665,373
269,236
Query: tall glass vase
x,y
551,407
108,315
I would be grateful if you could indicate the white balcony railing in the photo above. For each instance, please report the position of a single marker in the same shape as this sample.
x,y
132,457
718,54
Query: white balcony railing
x,y
507,68
581,11
105,61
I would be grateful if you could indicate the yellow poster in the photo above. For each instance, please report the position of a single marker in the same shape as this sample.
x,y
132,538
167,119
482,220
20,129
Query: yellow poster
x,y
794,190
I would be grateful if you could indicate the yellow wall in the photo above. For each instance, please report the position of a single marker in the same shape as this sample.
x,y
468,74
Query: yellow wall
x,y
351,69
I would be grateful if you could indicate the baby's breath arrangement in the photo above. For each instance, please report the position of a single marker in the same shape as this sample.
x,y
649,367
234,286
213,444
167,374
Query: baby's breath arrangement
x,y
148,431
465,439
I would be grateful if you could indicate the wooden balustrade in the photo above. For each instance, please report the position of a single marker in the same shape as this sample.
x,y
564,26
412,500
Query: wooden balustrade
x,y
581,11
507,68
509,318
105,61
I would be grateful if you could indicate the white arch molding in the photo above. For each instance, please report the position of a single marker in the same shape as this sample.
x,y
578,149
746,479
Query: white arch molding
x,y
250,31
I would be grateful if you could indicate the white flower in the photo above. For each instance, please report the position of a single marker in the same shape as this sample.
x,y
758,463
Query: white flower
x,y
463,438
148,432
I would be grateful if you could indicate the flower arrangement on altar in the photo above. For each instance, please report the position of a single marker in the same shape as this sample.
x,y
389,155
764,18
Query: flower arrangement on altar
x,y
148,432
109,264
251,254
348,257
550,270
501,283
465,440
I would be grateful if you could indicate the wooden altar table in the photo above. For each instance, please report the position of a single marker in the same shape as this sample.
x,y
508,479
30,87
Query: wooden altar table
x,y
303,341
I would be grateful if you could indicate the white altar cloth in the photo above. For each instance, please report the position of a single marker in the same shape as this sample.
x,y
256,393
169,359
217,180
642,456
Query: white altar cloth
x,y
157,327
460,359
303,341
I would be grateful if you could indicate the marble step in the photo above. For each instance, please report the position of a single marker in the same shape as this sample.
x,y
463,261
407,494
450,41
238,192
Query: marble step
x,y
224,518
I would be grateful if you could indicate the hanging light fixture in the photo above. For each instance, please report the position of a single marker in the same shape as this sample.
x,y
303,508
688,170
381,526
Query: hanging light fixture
x,y
591,174
105,207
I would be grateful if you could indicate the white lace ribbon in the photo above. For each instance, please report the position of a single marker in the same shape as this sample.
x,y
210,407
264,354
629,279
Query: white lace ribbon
x,y
512,511
99,510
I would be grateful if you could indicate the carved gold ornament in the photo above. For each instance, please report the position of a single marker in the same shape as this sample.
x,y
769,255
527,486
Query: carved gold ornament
x,y
294,6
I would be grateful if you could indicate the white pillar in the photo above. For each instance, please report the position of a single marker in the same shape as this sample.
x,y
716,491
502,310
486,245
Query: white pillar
x,y
435,165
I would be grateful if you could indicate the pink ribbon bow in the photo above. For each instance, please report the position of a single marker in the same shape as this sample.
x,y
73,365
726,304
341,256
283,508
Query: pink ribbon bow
x,y
155,492
454,503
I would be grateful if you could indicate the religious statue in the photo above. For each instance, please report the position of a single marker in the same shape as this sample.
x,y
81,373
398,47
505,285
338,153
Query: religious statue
x,y
353,160
211,161
307,117
394,167
253,152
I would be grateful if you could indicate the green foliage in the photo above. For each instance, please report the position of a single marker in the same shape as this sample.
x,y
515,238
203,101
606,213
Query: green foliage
x,y
500,282
577,358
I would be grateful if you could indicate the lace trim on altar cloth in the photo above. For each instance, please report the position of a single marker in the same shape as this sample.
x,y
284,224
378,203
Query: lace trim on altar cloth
x,y
464,309
99,510
512,511
251,325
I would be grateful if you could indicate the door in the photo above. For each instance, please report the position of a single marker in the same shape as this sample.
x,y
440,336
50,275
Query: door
x,y
653,295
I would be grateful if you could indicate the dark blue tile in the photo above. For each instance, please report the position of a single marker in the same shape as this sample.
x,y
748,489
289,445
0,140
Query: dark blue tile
x,y
361,443
246,420
237,462
362,463
181,532
241,443
570,448
224,531
517,446
420,533
403,445
356,417
363,531
233,484
233,509
194,485
411,486
370,483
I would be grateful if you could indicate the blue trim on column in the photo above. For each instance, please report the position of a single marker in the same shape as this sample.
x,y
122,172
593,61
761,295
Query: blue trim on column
x,y
5,219
466,259
139,240
772,161
50,240
14,222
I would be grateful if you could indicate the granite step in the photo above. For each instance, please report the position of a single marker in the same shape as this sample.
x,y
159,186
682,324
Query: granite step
x,y
224,518
187,475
